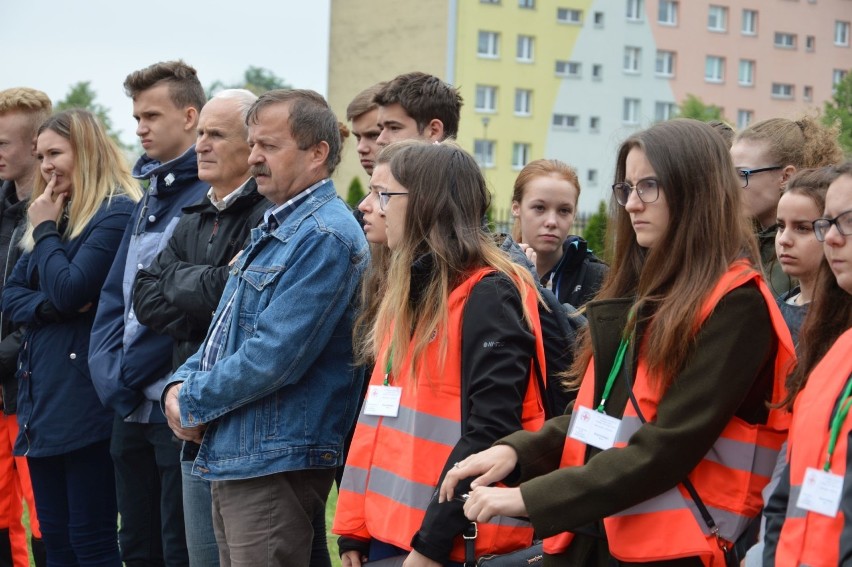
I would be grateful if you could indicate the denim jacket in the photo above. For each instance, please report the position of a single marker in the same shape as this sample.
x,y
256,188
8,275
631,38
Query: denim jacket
x,y
285,393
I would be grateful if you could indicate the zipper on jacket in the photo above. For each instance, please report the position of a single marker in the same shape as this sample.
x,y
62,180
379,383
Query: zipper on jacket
x,y
213,234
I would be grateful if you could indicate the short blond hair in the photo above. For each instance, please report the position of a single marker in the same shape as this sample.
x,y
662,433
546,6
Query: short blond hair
x,y
33,103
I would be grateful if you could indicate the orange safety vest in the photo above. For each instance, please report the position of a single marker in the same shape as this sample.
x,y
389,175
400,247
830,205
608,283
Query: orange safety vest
x,y
808,538
394,464
729,479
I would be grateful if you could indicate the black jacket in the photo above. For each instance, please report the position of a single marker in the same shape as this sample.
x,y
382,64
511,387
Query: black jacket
x,y
12,226
578,275
177,294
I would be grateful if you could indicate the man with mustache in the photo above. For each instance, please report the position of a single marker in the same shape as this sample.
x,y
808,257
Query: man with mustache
x,y
277,360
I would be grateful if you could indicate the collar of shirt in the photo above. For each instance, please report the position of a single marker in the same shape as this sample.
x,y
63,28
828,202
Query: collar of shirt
x,y
229,198
281,212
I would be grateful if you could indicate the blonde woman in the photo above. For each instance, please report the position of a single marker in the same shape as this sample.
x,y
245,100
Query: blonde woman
x,y
80,206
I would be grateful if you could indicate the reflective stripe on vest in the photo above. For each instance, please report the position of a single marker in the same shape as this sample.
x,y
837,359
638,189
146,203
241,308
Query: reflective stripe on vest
x,y
729,479
808,537
394,464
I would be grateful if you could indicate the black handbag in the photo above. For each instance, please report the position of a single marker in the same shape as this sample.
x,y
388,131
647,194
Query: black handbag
x,y
532,555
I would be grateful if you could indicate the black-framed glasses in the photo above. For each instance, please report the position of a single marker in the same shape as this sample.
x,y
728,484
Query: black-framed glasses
x,y
745,173
648,190
843,222
384,197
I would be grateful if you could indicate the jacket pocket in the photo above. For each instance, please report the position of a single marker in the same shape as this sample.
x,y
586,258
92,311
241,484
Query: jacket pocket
x,y
260,277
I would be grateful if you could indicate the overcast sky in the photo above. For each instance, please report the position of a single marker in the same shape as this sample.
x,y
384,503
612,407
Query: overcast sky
x,y
52,44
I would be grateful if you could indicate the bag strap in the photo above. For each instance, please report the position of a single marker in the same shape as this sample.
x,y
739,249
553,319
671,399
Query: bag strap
x,y
469,536
687,484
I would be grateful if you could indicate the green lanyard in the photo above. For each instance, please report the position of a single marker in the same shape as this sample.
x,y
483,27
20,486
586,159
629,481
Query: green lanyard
x,y
837,422
613,373
388,367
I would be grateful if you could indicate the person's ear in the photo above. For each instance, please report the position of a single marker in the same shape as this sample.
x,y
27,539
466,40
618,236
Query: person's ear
x,y
190,119
435,130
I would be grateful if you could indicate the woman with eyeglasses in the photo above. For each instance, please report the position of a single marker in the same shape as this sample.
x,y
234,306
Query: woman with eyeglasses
x,y
808,516
685,346
767,154
79,208
455,338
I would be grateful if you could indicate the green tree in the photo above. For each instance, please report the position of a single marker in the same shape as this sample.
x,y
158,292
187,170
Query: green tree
x,y
694,107
595,233
81,95
838,110
256,79
355,193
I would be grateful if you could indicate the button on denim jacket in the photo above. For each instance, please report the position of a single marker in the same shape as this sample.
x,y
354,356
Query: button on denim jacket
x,y
285,392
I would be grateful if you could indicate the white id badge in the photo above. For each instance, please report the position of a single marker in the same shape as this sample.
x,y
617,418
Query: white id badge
x,y
594,428
821,492
383,400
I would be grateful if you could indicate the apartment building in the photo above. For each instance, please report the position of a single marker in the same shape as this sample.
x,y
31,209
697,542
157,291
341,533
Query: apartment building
x,y
571,79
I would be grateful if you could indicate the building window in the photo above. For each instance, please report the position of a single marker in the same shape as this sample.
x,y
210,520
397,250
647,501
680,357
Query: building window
x,y
566,121
665,64
714,69
808,93
838,75
632,55
595,123
667,14
483,152
569,16
597,72
486,98
810,43
782,90
489,44
523,102
749,22
520,155
746,76
635,9
630,113
592,177
526,4
744,118
664,111
841,34
572,69
489,1
785,40
526,46
599,19
717,19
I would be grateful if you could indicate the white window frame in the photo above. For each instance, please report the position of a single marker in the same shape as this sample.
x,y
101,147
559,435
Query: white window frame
x,y
807,93
592,177
841,33
486,99
489,1
598,19
483,152
664,111
784,40
597,71
632,59
744,118
526,4
635,11
569,16
594,123
783,91
667,13
523,102
565,121
631,110
521,153
525,49
664,64
749,24
717,18
810,43
491,44
569,69
745,75
838,75
714,69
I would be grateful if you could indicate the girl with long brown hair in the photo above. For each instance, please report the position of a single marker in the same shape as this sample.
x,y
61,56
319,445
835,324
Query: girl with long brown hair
x,y
684,347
